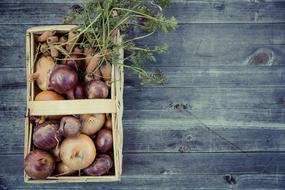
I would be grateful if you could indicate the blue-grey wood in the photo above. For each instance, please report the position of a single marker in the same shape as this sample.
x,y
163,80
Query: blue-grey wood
x,y
217,124
185,12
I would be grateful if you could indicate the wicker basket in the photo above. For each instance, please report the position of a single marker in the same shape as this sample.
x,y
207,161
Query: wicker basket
x,y
114,105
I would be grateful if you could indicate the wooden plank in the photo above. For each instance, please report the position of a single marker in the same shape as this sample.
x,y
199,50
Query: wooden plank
x,y
207,170
196,44
163,182
185,12
180,77
235,54
168,136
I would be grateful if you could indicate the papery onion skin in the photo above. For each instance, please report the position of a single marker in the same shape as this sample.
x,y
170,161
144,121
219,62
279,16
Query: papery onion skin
x,y
39,164
70,126
101,166
63,80
104,141
96,89
92,123
48,95
108,122
78,152
63,170
46,135
44,66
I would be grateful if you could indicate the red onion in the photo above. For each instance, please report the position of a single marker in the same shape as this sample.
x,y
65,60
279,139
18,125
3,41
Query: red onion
x,y
74,60
104,140
101,166
39,164
79,92
96,89
70,126
46,135
63,80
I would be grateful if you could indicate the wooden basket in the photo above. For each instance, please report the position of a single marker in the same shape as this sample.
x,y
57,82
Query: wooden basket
x,y
67,107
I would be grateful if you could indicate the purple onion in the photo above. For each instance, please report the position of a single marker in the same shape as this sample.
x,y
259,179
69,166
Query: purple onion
x,y
97,89
104,141
39,164
70,126
46,135
102,164
63,80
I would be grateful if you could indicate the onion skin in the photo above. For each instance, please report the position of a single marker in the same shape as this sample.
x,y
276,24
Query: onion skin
x,y
55,154
46,135
63,80
108,122
48,95
104,141
96,89
39,164
92,123
62,169
45,35
101,166
77,152
106,71
44,66
79,91
70,126
93,63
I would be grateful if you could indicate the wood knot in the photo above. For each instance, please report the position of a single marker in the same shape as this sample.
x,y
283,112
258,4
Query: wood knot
x,y
229,178
181,107
184,149
220,7
261,57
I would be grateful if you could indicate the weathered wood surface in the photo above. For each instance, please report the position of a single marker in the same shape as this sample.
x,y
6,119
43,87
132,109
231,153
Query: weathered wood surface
x,y
221,113
185,12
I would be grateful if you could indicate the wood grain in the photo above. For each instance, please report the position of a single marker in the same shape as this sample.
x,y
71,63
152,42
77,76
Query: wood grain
x,y
185,12
205,170
221,114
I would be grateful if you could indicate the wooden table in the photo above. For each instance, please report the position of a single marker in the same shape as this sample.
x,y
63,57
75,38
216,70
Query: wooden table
x,y
219,123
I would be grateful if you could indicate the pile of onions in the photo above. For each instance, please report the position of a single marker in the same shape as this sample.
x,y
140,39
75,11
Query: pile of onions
x,y
39,164
77,152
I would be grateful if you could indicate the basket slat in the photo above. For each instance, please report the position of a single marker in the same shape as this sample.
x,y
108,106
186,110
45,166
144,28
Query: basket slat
x,y
70,107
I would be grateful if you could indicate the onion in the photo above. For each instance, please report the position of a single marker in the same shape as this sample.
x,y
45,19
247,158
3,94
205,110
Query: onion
x,y
44,67
77,152
108,122
63,80
96,89
63,169
74,60
46,135
70,126
91,123
96,75
102,165
104,140
48,95
39,164
79,91
93,63
106,70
